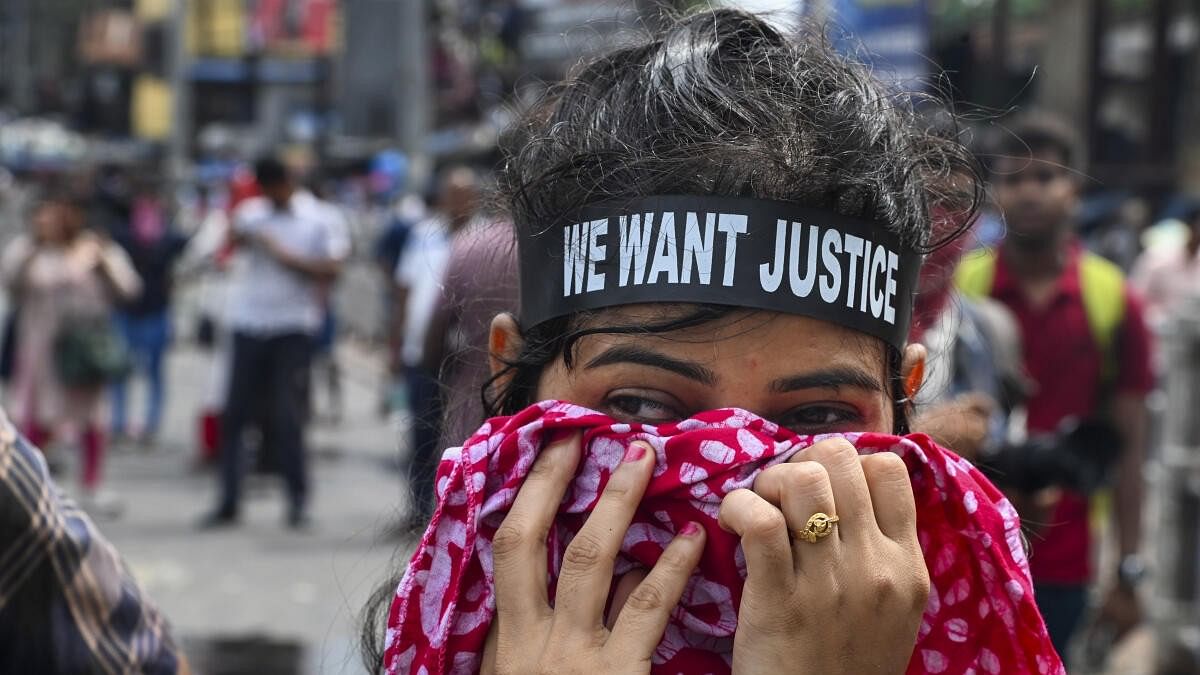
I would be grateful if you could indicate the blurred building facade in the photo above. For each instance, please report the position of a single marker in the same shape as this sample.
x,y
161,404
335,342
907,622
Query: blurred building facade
x,y
319,72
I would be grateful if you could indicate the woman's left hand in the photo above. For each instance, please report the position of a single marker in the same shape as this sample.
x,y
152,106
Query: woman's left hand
x,y
848,603
87,252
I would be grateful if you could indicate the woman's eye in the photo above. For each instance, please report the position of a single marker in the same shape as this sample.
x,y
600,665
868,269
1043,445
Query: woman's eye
x,y
820,418
641,409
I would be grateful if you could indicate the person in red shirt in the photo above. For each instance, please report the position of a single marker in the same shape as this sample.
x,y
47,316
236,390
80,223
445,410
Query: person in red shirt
x,y
1037,276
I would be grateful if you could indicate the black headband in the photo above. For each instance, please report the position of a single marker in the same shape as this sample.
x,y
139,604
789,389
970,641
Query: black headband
x,y
743,252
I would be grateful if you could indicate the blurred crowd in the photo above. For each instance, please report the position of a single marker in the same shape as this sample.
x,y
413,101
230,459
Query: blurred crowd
x,y
1040,326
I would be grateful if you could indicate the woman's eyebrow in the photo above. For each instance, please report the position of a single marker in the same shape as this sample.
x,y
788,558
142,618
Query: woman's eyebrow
x,y
829,378
647,357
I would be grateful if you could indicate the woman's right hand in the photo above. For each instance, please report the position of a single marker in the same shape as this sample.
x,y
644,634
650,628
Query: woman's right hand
x,y
529,637
848,603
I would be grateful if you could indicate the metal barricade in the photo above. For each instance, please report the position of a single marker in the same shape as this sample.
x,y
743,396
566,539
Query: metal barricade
x,y
1175,586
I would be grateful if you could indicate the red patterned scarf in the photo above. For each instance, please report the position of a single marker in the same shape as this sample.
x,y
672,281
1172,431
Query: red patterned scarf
x,y
981,616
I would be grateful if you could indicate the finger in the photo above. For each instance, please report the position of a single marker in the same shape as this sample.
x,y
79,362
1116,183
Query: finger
x,y
519,546
625,586
644,615
765,541
856,518
587,564
801,490
488,665
891,495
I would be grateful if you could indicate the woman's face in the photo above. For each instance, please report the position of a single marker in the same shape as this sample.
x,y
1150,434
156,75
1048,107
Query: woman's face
x,y
804,374
49,222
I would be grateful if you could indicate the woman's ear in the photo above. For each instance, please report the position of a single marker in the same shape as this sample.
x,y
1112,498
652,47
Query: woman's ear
x,y
504,345
912,369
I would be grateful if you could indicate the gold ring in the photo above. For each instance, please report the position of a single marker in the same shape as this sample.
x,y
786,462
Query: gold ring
x,y
817,527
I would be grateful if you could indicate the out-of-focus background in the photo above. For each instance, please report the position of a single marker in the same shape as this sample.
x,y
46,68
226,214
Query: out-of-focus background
x,y
153,112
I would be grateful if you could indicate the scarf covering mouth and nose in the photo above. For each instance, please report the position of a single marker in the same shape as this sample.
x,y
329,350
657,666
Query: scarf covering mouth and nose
x,y
981,617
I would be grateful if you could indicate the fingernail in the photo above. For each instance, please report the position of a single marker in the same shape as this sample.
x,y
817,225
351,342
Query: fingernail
x,y
690,530
635,452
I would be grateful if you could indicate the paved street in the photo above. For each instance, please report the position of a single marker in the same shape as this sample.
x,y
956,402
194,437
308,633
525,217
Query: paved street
x,y
260,592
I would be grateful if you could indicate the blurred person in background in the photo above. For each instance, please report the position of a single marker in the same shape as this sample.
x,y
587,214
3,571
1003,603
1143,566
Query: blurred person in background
x,y
326,368
481,282
154,245
972,377
1165,275
1111,226
209,257
66,280
395,215
290,252
418,277
1087,352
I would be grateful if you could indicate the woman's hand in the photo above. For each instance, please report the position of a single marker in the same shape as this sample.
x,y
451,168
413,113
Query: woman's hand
x,y
87,252
529,637
849,603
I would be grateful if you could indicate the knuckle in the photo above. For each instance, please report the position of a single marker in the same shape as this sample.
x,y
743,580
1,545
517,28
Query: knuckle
x,y
509,539
919,589
617,490
807,476
545,466
583,552
885,588
832,449
885,465
647,597
765,521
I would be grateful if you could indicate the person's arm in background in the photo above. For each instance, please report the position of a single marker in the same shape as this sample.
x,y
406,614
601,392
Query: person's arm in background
x,y
1146,279
323,269
961,424
117,270
202,248
1129,409
15,262
402,278
1135,379
85,615
327,265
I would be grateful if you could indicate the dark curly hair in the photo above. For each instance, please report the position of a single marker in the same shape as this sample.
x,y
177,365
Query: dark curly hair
x,y
719,102
722,103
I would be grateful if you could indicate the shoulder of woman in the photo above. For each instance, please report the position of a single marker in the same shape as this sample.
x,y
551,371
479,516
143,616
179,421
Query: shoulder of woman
x,y
16,250
21,242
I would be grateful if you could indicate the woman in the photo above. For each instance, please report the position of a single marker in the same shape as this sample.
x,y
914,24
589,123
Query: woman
x,y
717,218
61,275
153,246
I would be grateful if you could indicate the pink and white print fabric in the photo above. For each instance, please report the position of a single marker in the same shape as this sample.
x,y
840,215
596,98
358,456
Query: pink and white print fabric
x,y
981,618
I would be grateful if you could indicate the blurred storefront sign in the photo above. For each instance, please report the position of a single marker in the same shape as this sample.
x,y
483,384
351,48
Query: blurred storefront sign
x,y
559,32
894,33
267,70
281,28
294,27
216,28
151,109
110,38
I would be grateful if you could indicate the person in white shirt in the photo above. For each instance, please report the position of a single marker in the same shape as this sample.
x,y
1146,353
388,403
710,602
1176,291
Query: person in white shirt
x,y
1168,273
289,252
419,277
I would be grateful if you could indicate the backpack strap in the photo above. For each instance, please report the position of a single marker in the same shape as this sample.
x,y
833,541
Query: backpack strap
x,y
1102,285
975,273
